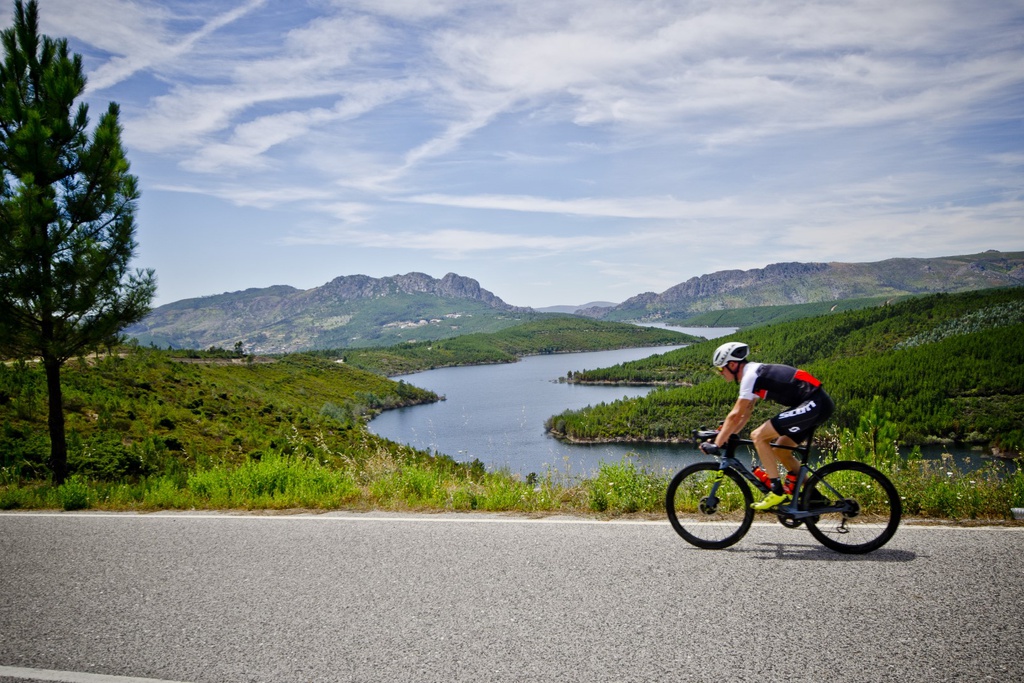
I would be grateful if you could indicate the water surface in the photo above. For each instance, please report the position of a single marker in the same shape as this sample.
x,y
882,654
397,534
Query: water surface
x,y
496,413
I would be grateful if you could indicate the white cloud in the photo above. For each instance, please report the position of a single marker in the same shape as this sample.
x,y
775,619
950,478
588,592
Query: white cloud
x,y
619,66
135,33
1009,159
117,27
251,196
616,207
383,179
460,244
251,140
215,83
408,10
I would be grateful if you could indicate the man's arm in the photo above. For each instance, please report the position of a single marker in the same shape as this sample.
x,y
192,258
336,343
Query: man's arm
x,y
735,421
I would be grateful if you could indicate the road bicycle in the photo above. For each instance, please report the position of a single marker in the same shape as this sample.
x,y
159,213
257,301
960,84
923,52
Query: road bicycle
x,y
847,506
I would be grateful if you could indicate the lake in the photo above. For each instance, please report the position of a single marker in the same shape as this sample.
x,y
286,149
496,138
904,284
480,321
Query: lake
x,y
496,414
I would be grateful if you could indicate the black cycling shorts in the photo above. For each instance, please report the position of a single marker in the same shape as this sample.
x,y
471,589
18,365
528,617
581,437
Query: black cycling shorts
x,y
796,422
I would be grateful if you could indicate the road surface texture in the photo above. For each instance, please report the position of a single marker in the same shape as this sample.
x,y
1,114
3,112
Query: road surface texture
x,y
226,598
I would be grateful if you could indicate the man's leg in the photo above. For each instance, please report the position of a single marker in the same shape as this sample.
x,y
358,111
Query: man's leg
x,y
762,437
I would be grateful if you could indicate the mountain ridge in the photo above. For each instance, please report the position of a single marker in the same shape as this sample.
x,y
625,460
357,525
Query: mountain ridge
x,y
350,310
354,311
797,283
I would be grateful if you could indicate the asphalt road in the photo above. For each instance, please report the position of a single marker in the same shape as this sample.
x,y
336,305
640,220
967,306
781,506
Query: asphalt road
x,y
210,598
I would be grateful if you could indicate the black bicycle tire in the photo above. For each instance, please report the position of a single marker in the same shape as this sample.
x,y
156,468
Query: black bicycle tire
x,y
887,532
680,528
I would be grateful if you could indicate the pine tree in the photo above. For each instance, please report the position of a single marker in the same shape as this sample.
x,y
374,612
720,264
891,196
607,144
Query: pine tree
x,y
67,217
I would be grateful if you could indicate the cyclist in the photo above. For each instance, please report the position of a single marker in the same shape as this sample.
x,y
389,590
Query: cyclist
x,y
807,403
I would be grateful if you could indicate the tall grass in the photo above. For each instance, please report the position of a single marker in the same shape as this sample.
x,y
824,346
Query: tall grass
x,y
932,488
622,488
310,475
277,482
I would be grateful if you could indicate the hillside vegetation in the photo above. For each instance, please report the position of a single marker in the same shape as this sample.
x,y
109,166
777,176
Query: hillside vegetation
x,y
144,411
548,334
765,315
943,367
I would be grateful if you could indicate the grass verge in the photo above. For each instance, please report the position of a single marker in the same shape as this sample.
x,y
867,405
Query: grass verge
x,y
932,489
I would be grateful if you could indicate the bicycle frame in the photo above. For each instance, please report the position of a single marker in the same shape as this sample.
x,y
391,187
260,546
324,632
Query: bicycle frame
x,y
728,460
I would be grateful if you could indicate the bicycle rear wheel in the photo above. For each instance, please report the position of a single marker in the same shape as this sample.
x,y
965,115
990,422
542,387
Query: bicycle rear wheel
x,y
706,515
857,508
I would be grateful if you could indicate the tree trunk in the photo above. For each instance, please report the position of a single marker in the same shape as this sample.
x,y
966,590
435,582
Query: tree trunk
x,y
58,439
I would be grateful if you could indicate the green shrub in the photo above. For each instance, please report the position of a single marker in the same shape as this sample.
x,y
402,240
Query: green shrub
x,y
106,456
24,452
272,481
13,496
74,493
502,492
623,488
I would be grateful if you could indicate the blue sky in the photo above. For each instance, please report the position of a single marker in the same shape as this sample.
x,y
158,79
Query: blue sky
x,y
557,151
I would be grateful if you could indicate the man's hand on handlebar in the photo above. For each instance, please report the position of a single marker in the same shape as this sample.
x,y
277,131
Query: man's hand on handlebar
x,y
710,449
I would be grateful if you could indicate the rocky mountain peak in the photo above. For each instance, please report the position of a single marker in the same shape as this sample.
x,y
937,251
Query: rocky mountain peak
x,y
451,286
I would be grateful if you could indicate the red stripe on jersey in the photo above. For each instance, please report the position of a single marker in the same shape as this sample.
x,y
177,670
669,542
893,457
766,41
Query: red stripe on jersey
x,y
805,376
762,393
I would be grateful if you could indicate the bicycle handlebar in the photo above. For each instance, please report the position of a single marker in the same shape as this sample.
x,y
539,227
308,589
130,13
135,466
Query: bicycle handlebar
x,y
702,434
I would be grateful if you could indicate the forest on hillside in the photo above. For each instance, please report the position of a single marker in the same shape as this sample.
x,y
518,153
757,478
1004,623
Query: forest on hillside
x,y
548,334
144,411
944,368
766,315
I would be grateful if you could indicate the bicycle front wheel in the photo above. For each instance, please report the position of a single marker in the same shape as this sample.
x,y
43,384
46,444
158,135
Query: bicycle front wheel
x,y
708,506
857,508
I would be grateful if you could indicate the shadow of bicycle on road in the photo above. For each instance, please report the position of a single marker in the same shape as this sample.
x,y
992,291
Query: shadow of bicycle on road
x,y
810,552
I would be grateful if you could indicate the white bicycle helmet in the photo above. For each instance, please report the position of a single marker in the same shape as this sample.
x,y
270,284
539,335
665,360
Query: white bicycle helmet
x,y
730,351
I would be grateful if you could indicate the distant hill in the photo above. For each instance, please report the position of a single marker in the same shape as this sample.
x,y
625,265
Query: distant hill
x,y
798,283
576,309
349,311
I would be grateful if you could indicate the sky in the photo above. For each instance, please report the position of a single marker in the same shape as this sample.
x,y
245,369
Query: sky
x,y
559,152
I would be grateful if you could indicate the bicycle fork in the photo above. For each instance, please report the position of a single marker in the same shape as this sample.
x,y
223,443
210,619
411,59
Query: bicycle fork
x,y
709,503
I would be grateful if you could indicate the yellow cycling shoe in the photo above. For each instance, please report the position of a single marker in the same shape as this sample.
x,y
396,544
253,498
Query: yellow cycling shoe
x,y
772,500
